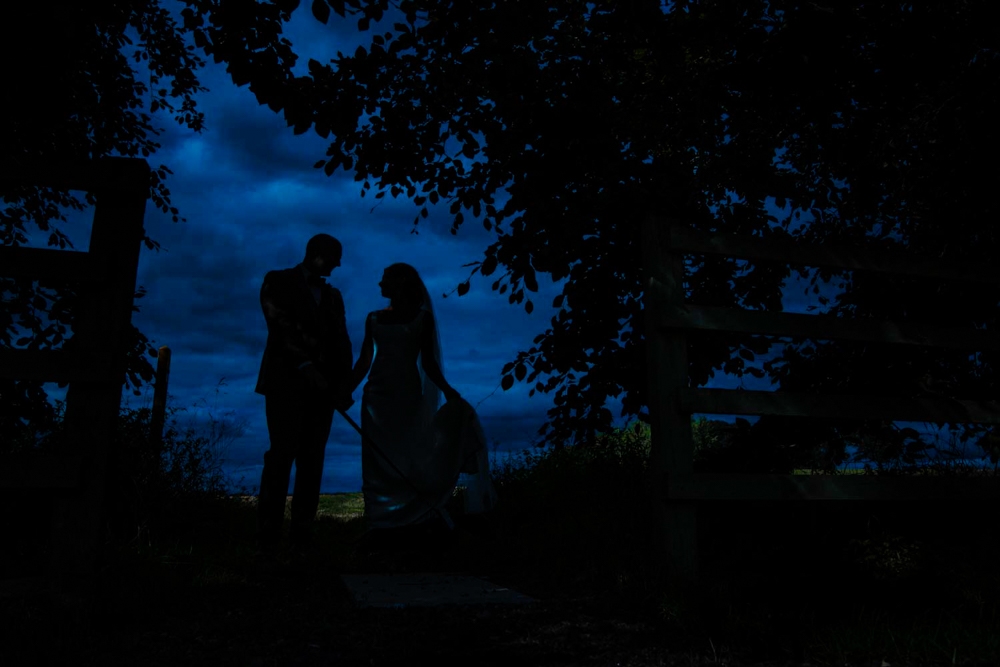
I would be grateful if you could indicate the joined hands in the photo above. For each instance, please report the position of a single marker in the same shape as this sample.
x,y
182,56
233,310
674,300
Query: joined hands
x,y
341,393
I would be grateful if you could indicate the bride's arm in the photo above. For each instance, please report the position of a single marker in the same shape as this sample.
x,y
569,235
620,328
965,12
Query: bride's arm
x,y
430,366
364,362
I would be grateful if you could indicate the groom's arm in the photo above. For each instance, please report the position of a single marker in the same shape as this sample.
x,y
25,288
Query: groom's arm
x,y
281,323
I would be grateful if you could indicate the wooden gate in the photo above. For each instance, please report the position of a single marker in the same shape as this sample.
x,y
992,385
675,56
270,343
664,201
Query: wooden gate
x,y
676,489
94,365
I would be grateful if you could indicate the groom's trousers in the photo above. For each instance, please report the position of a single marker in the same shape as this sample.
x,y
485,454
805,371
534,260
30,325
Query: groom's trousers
x,y
298,423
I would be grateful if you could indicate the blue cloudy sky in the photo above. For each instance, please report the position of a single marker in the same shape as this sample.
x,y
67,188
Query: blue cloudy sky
x,y
252,199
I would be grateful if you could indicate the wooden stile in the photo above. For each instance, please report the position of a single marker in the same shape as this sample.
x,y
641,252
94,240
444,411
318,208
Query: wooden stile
x,y
95,367
672,402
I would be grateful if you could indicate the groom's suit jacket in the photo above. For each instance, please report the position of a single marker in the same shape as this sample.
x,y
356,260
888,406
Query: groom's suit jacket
x,y
300,330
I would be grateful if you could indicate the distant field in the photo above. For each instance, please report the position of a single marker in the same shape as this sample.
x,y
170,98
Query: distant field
x,y
336,505
341,505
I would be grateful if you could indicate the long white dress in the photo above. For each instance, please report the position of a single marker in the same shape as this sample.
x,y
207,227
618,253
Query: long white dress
x,y
431,448
394,417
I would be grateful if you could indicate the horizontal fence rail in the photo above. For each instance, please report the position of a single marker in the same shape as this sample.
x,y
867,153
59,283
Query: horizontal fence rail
x,y
51,265
712,486
86,176
49,365
828,255
824,327
833,406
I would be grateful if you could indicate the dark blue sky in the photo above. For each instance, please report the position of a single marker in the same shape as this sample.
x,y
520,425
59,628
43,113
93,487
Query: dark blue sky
x,y
252,199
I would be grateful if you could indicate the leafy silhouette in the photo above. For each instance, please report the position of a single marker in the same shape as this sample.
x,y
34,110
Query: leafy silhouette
x,y
79,103
561,124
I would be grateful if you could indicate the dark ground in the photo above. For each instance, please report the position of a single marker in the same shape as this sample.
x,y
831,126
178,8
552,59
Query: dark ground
x,y
832,587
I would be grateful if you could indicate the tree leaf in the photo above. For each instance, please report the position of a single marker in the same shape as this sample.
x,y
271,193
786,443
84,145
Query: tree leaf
x,y
507,382
321,10
529,280
463,288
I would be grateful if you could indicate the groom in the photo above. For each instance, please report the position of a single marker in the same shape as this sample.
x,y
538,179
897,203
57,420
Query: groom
x,y
304,376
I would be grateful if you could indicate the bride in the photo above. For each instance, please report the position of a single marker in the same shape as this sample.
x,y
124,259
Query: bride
x,y
411,471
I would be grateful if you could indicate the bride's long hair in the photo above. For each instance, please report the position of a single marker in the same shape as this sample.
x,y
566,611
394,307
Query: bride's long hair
x,y
413,295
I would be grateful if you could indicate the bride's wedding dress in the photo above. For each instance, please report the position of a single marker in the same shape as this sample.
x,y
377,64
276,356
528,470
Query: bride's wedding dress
x,y
399,413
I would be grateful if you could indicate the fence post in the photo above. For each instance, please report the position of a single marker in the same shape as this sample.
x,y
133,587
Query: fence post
x,y
160,396
672,448
93,405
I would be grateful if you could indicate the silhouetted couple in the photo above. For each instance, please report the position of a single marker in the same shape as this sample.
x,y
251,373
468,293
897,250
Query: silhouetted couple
x,y
412,451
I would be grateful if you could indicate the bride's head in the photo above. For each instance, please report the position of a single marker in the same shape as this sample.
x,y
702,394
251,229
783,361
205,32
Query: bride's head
x,y
401,284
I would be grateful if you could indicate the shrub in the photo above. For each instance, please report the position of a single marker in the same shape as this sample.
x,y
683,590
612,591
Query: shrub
x,y
622,453
149,480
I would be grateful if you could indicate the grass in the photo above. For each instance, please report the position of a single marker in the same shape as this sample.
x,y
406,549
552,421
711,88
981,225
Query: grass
x,y
820,583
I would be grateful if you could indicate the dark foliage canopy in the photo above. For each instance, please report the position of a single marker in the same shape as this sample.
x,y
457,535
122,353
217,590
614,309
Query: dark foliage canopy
x,y
559,124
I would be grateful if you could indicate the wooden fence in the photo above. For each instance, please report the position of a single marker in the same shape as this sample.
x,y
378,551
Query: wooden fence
x,y
669,320
94,365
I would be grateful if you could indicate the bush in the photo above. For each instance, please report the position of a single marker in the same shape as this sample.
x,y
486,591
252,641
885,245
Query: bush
x,y
149,482
576,516
615,456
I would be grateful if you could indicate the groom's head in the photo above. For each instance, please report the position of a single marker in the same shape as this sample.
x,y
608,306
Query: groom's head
x,y
323,253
